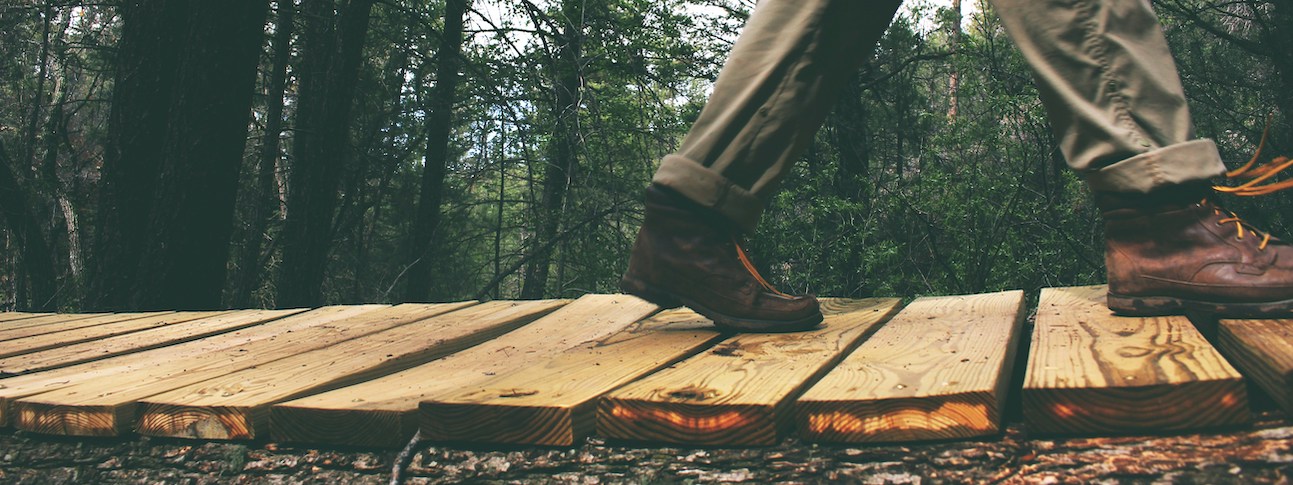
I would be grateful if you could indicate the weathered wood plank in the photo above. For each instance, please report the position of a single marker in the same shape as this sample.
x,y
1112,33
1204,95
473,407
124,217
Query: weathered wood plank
x,y
36,343
47,318
1090,371
61,323
555,403
940,369
1263,350
30,384
739,392
107,406
12,316
236,406
383,412
65,355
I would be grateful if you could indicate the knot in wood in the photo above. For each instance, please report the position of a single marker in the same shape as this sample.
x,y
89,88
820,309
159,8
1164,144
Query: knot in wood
x,y
693,393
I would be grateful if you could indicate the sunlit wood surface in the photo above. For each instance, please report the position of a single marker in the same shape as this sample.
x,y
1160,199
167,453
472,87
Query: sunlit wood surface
x,y
1090,371
938,370
554,372
739,392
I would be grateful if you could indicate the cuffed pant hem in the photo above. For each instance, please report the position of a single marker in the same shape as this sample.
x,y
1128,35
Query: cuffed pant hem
x,y
710,189
1176,164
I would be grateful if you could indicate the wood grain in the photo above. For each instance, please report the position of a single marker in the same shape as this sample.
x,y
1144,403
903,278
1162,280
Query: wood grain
x,y
383,412
60,323
236,406
107,407
940,369
12,316
36,343
1263,350
65,355
555,403
48,318
14,388
739,392
1090,371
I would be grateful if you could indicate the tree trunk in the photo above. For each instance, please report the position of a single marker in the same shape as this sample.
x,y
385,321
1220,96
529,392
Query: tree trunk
x,y
176,134
42,73
37,260
439,125
264,198
954,77
498,214
562,151
332,52
56,133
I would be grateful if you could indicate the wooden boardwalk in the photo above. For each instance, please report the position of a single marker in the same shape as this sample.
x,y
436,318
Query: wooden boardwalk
x,y
553,372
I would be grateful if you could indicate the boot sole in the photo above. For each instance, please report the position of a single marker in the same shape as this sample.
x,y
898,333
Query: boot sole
x,y
1155,306
667,299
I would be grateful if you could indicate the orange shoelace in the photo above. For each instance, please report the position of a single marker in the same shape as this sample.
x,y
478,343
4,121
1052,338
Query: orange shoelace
x,y
1252,188
749,266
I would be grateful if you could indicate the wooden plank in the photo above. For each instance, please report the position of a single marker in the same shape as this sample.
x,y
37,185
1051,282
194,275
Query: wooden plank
x,y
555,403
108,407
36,343
232,346
1090,371
940,369
46,319
66,355
739,393
12,316
1263,351
236,406
61,323
383,412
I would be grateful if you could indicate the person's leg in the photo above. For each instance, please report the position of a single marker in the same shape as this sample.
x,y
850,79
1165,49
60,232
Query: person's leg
x,y
1115,101
782,77
784,73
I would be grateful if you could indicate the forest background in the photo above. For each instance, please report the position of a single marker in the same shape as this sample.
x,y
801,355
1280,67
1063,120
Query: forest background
x,y
167,154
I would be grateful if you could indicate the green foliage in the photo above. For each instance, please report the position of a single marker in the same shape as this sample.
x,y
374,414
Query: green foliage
x,y
893,198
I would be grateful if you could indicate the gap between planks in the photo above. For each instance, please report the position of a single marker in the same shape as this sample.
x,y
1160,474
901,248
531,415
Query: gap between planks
x,y
554,403
1263,350
109,407
236,406
10,335
14,388
65,355
383,412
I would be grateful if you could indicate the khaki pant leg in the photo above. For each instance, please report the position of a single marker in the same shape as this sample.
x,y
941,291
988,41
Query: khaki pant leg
x,y
782,77
1111,92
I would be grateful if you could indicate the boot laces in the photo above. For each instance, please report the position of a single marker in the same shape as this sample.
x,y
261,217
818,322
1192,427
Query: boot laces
x,y
1253,187
749,266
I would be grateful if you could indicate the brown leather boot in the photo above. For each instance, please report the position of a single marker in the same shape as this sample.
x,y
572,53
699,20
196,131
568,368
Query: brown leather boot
x,y
1174,250
686,254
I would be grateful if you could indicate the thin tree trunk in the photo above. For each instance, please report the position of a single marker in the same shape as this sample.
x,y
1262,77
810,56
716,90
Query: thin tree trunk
x,y
56,134
954,77
562,154
42,72
498,215
37,261
331,56
265,195
439,126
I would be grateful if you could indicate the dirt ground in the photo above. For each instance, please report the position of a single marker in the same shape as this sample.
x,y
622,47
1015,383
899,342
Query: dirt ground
x,y
1260,453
